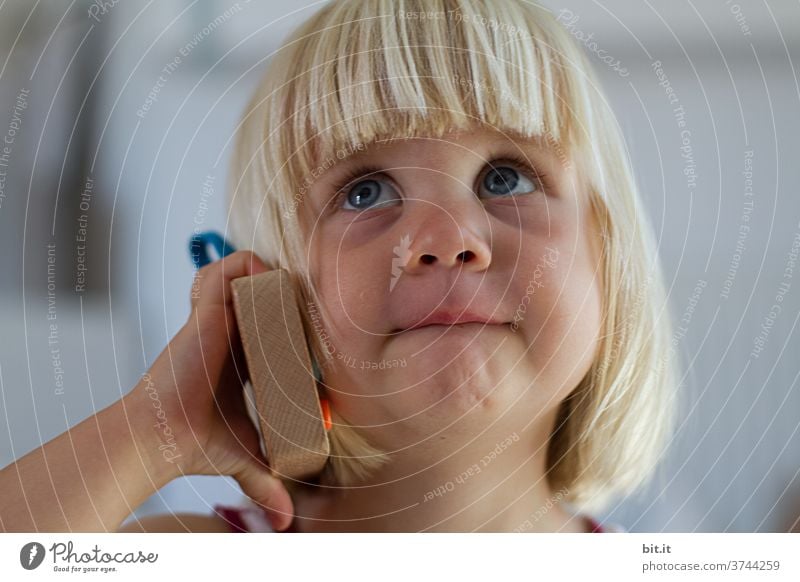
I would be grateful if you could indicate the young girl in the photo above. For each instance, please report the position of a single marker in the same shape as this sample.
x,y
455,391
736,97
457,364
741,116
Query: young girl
x,y
448,187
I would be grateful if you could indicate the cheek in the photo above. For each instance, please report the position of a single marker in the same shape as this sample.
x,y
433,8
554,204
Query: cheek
x,y
352,310
558,303
559,314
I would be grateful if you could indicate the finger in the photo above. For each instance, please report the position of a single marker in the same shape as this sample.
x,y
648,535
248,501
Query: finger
x,y
268,492
211,339
211,285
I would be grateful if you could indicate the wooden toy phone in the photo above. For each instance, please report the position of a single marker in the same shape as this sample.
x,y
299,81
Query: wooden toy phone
x,y
281,396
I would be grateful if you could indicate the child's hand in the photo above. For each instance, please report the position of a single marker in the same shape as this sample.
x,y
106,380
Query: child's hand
x,y
198,380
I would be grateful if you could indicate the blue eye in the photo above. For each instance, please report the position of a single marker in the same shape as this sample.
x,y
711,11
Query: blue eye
x,y
364,194
368,194
504,180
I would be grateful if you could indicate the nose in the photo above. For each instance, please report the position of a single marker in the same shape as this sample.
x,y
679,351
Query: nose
x,y
448,233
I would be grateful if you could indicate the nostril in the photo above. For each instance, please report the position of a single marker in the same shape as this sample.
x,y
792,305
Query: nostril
x,y
427,259
466,256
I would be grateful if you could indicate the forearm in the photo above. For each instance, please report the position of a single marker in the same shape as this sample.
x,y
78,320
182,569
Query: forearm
x,y
88,479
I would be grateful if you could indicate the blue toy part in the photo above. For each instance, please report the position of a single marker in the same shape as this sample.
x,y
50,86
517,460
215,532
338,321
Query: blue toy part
x,y
198,247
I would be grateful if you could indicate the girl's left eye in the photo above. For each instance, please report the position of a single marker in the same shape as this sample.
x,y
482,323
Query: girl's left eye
x,y
502,180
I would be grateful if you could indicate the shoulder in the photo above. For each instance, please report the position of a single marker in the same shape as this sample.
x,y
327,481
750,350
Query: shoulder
x,y
177,523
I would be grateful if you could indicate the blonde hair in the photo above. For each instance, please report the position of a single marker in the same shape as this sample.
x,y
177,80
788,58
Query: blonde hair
x,y
361,71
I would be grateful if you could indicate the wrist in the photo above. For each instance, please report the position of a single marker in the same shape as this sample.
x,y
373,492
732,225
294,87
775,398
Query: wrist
x,y
159,445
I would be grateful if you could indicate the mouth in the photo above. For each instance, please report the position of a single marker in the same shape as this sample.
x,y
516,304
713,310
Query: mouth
x,y
460,325
450,316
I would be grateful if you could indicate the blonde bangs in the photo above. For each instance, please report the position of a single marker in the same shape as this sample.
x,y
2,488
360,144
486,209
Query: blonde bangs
x,y
390,76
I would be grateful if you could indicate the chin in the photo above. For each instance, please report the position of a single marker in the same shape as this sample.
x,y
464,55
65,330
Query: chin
x,y
465,387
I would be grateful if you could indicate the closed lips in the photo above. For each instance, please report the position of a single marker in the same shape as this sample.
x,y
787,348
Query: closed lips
x,y
450,318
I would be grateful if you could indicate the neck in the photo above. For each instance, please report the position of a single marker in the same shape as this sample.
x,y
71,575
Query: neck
x,y
492,485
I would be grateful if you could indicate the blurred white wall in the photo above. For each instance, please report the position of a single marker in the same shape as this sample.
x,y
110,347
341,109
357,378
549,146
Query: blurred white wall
x,y
733,67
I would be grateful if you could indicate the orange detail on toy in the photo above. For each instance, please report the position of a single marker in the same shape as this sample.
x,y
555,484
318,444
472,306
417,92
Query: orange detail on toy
x,y
326,413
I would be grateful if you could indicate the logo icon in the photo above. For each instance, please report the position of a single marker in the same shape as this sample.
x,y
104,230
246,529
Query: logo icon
x,y
402,254
31,555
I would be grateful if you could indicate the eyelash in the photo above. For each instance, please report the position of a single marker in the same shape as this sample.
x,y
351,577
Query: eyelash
x,y
368,170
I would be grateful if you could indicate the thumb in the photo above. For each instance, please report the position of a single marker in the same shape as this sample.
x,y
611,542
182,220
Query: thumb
x,y
268,492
